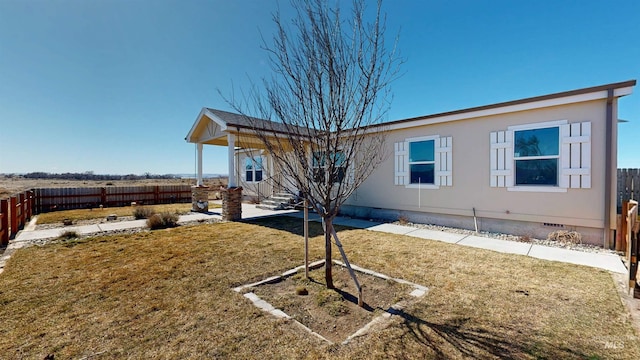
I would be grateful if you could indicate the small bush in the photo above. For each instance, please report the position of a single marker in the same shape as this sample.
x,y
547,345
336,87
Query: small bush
x,y
301,290
68,235
565,237
162,221
403,220
142,212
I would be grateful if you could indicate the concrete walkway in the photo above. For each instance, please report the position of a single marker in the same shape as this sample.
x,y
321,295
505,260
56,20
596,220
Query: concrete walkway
x,y
609,262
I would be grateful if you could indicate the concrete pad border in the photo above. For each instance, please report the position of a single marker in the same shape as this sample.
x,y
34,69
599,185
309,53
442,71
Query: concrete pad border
x,y
418,291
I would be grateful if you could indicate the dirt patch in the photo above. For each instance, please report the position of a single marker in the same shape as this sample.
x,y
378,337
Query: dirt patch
x,y
333,313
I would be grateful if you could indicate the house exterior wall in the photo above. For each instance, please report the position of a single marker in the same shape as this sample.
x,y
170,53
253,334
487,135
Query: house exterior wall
x,y
518,212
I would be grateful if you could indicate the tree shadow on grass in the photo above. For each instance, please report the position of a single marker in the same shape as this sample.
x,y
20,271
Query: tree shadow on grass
x,y
290,224
455,338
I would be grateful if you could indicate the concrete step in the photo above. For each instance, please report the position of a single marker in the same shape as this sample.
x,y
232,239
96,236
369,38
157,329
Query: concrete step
x,y
269,207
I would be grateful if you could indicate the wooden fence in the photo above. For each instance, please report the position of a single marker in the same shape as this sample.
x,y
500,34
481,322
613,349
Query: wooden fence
x,y
628,185
14,214
629,242
52,199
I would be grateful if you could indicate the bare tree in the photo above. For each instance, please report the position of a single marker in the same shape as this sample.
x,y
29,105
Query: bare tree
x,y
324,104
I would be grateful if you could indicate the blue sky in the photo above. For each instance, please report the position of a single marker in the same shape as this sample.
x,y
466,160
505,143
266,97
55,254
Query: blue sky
x,y
113,86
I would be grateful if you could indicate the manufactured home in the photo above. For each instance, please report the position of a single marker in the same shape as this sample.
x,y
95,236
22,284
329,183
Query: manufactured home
x,y
525,167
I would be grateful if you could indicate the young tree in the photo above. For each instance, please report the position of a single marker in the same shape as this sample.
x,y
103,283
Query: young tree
x,y
329,88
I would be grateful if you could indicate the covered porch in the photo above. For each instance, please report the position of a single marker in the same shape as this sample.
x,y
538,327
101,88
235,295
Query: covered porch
x,y
250,167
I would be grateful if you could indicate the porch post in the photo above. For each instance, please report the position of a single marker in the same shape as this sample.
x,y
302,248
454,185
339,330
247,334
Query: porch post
x,y
231,151
199,183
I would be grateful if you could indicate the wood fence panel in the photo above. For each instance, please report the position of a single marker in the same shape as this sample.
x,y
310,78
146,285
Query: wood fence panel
x,y
13,219
628,185
51,199
4,222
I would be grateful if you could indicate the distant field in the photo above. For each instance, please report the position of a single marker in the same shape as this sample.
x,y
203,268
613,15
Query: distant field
x,y
10,186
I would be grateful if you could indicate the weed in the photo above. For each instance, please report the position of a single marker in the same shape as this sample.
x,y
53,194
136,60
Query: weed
x,y
143,212
162,221
403,220
68,235
301,290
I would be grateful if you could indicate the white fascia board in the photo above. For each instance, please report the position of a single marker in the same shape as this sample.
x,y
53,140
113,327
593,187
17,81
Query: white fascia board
x,y
204,113
512,108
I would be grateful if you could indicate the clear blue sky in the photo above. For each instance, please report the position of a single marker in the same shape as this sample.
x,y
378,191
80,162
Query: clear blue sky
x,y
113,86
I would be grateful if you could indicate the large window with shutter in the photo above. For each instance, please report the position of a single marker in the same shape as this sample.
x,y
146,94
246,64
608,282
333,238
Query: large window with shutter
x,y
546,157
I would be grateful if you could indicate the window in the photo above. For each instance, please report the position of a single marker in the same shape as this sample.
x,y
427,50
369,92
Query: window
x,y
253,169
320,165
424,162
536,153
550,156
421,162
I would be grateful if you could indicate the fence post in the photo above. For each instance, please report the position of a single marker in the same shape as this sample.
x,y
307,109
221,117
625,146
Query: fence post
x,y
103,196
13,218
4,222
622,244
30,202
156,195
23,215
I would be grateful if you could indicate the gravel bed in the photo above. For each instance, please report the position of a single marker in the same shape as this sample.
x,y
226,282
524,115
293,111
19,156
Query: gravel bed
x,y
83,222
41,242
500,236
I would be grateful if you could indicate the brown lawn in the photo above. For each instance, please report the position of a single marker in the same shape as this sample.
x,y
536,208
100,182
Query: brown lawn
x,y
167,294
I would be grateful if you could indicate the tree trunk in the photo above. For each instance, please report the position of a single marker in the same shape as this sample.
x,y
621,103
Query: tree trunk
x,y
328,263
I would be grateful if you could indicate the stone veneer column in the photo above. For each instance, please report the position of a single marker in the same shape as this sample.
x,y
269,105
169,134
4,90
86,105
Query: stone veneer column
x,y
231,203
200,198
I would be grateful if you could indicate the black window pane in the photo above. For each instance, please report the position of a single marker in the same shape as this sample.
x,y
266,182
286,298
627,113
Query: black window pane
x,y
422,173
318,175
537,172
258,175
249,175
339,175
537,142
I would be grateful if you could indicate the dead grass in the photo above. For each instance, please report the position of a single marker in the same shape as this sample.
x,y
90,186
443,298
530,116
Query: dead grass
x,y
167,294
86,214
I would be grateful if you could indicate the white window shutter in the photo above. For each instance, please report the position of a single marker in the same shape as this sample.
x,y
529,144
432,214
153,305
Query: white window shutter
x,y
401,167
443,161
501,158
575,156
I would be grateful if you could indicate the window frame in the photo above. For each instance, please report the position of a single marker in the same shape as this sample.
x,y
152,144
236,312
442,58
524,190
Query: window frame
x,y
536,187
319,166
411,185
253,171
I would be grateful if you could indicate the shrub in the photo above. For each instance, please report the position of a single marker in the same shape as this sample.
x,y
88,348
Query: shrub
x,y
403,220
142,212
68,235
565,237
301,290
162,221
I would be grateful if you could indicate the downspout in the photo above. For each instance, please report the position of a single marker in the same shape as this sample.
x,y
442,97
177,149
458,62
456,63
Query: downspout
x,y
607,169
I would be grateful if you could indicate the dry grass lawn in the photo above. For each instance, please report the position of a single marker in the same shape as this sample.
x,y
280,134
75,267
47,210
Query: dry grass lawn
x,y
167,294
86,214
